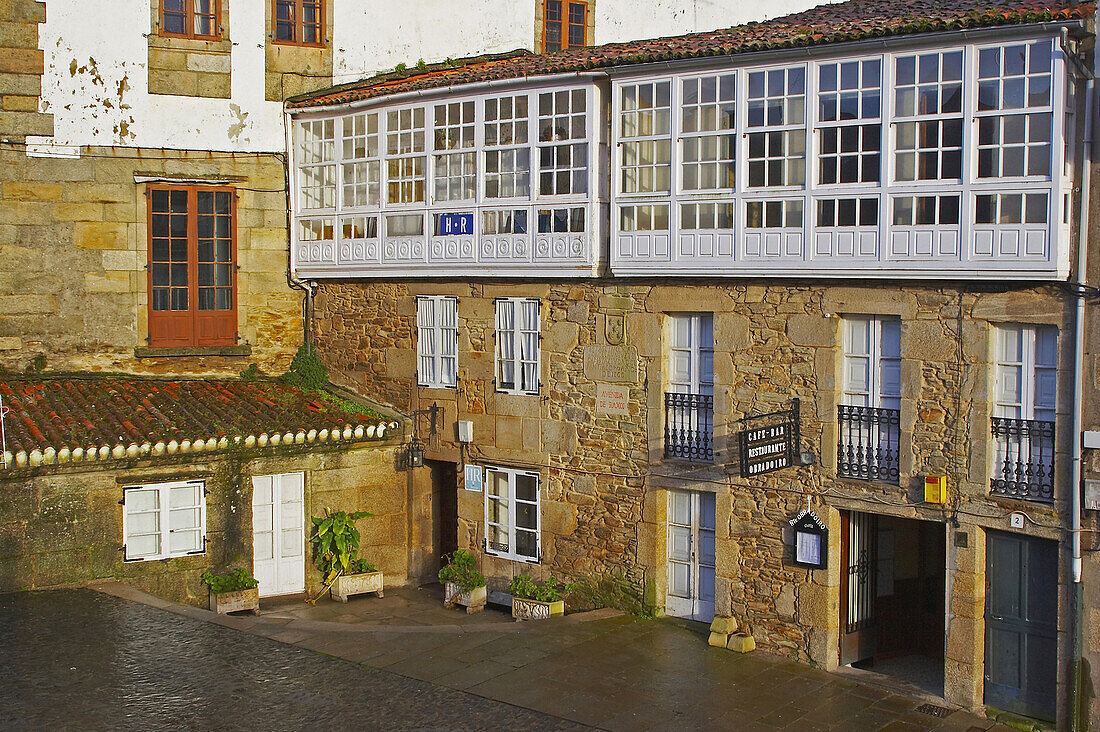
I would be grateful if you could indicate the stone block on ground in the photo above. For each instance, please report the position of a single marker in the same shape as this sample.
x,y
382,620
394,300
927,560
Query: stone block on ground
x,y
741,642
718,640
723,625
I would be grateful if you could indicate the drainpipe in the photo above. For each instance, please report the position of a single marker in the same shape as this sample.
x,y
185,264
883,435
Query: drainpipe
x,y
1078,392
293,282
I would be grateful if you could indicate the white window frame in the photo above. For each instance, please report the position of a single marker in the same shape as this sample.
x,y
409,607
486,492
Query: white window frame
x,y
1029,402
508,551
875,356
918,147
1031,113
436,341
699,353
863,123
510,350
646,138
164,523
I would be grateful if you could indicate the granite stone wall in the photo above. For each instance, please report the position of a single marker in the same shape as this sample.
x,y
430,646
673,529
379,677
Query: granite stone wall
x,y
606,481
63,525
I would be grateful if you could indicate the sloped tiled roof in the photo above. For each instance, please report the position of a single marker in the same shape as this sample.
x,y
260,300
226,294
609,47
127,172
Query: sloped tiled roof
x,y
78,419
848,21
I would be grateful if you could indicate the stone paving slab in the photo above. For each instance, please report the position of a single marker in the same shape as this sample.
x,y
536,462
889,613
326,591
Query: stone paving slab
x,y
82,660
604,670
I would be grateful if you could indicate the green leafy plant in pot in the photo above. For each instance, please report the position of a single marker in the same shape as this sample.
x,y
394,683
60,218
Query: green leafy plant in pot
x,y
462,583
461,571
549,591
237,580
335,543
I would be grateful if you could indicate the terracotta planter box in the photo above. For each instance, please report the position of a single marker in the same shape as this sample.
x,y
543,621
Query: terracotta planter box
x,y
231,602
474,600
525,609
356,584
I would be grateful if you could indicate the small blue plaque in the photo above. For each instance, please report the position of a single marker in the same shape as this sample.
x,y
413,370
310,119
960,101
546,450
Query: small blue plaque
x,y
473,478
455,224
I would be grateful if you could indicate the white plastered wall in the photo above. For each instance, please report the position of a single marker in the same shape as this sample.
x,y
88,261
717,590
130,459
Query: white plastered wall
x,y
96,78
96,83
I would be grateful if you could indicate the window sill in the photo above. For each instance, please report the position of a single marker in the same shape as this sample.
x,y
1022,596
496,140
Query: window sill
x,y
299,44
183,43
151,352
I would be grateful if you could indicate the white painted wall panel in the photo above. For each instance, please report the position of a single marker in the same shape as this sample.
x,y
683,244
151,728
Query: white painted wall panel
x,y
96,84
371,35
626,20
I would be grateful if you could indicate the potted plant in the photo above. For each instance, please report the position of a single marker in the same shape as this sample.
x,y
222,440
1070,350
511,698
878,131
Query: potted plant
x,y
462,583
537,601
233,592
335,542
362,577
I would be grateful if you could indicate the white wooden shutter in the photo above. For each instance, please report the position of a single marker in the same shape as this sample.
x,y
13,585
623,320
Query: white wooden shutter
x,y
1045,401
529,346
506,344
426,341
186,524
526,530
141,527
1011,372
448,341
872,362
497,512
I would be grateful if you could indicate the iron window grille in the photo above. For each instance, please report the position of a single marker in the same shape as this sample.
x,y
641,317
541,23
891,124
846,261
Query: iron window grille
x,y
689,426
1024,467
868,448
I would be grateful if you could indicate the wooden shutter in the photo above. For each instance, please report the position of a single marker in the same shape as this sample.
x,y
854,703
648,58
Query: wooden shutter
x,y
171,324
448,341
192,280
215,267
528,327
186,518
141,523
426,341
506,345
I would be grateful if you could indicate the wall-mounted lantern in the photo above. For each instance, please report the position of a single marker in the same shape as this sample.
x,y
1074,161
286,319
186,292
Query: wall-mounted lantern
x,y
811,540
415,448
416,453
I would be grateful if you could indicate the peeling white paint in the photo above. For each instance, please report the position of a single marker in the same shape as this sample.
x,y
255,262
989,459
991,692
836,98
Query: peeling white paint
x,y
96,83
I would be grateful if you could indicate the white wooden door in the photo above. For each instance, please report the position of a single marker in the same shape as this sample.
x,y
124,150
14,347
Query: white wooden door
x,y
278,533
690,555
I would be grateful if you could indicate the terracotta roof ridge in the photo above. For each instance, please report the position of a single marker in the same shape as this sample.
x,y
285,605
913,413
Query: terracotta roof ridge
x,y
412,72
825,24
51,419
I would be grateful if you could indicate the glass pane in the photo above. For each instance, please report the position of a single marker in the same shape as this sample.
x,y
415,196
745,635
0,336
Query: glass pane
x,y
527,487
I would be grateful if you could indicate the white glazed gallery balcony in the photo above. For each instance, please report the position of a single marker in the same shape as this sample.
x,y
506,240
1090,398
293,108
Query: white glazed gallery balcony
x,y
944,161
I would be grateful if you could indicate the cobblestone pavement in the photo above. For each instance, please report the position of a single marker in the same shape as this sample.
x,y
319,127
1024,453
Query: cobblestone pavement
x,y
418,667
81,660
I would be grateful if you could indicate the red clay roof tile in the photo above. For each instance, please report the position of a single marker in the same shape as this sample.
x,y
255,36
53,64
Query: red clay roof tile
x,y
848,21
93,412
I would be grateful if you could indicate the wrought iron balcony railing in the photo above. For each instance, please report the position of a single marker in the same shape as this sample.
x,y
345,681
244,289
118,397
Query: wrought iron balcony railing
x,y
1024,464
689,426
868,445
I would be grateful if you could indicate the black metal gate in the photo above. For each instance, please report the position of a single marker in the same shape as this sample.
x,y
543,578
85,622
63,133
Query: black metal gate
x,y
1021,624
859,544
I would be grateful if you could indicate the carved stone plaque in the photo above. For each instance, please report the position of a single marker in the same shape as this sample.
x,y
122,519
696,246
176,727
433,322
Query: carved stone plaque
x,y
615,329
613,364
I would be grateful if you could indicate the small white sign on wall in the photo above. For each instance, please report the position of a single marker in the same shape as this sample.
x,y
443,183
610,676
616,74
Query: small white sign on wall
x,y
473,478
612,399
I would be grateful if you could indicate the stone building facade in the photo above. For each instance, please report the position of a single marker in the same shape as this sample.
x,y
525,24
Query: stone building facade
x,y
687,331
606,479
62,525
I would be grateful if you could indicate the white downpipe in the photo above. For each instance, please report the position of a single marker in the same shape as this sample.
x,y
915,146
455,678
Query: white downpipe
x,y
1079,329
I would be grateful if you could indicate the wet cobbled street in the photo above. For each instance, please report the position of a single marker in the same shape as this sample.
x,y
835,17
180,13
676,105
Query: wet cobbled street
x,y
81,660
